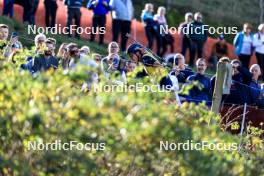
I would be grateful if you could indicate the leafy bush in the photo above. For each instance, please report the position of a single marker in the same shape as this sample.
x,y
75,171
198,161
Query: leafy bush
x,y
51,107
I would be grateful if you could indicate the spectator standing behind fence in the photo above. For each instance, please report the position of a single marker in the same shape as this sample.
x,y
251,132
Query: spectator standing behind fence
x,y
8,8
259,47
122,14
198,37
186,42
51,11
100,9
244,45
241,79
151,27
255,88
74,13
197,94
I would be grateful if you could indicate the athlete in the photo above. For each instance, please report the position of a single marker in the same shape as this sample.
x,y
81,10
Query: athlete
x,y
153,65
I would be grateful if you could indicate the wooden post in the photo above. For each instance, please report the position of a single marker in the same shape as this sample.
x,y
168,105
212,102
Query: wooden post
x,y
243,120
218,90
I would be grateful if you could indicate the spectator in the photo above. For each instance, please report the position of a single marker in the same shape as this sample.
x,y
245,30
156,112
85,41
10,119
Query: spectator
x,y
62,50
74,13
130,67
8,8
39,50
85,58
179,68
219,50
54,42
241,79
244,45
255,88
186,42
4,32
151,27
198,38
166,37
122,14
100,9
197,94
40,43
110,63
97,58
12,47
74,55
259,47
65,60
51,11
47,60
85,50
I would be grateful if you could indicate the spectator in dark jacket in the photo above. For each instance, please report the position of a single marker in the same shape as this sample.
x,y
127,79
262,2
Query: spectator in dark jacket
x,y
39,46
100,9
122,14
51,11
197,94
219,50
197,38
255,88
179,68
74,13
186,42
8,8
241,79
45,61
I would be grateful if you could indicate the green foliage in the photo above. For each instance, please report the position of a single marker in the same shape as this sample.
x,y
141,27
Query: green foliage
x,y
51,107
